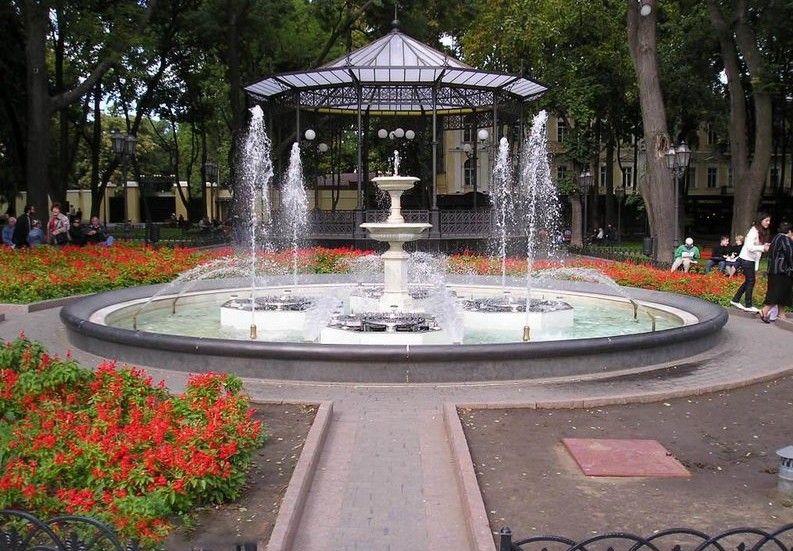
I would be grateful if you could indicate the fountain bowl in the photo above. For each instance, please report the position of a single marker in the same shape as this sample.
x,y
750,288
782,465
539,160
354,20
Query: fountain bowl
x,y
395,232
395,183
394,363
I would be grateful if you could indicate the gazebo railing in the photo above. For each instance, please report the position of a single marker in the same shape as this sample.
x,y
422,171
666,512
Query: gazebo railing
x,y
412,216
341,224
460,223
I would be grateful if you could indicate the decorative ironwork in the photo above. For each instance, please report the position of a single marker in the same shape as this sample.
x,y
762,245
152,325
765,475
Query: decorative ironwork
x,y
410,216
674,539
22,531
474,223
327,223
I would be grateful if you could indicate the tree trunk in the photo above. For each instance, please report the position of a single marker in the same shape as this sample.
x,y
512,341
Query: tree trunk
x,y
576,237
97,192
657,189
39,107
748,175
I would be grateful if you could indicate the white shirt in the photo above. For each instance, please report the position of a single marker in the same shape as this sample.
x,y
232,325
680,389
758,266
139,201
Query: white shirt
x,y
752,249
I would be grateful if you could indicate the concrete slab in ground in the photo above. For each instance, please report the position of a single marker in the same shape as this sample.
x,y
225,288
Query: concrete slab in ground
x,y
611,457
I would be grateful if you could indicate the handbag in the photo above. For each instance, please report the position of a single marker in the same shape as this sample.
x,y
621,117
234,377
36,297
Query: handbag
x,y
61,238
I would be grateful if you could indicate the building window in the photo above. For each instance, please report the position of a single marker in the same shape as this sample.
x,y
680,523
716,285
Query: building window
x,y
603,175
561,173
711,135
627,177
691,178
468,173
561,129
713,177
469,133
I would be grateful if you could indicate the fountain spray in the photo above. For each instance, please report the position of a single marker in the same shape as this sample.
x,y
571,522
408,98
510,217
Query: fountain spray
x,y
503,206
539,203
294,205
256,172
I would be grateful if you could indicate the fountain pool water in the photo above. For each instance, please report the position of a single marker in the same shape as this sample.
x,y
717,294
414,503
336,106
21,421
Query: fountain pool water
x,y
413,323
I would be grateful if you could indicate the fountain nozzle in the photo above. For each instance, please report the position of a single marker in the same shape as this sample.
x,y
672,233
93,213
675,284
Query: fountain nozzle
x,y
253,331
526,333
635,309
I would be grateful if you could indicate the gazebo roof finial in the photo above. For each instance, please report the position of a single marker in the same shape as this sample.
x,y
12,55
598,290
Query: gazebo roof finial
x,y
395,22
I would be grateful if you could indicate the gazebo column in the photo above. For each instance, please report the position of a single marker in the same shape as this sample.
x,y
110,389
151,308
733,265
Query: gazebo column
x,y
435,215
358,231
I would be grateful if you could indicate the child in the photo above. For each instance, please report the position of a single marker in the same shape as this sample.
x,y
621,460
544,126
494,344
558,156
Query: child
x,y
731,259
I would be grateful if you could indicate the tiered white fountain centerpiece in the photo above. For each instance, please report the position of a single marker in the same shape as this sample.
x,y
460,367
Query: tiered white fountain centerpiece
x,y
396,232
396,312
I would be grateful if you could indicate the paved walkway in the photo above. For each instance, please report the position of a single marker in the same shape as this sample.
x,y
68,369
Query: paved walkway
x,y
386,479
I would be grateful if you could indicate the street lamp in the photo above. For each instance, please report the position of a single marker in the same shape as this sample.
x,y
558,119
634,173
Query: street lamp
x,y
322,147
619,193
471,151
677,161
584,183
211,172
124,147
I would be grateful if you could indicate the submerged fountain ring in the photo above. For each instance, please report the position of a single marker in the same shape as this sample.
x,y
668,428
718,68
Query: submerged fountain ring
x,y
509,304
285,302
386,322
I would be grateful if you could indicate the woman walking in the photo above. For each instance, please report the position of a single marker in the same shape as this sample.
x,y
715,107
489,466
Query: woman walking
x,y
754,245
780,272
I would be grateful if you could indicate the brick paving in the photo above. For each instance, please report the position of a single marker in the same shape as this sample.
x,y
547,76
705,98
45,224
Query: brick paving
x,y
386,477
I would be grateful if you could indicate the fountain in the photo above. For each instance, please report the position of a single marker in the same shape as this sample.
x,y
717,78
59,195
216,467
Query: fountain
x,y
417,323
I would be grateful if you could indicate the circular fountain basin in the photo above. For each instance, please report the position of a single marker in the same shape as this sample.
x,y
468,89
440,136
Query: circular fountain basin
x,y
89,325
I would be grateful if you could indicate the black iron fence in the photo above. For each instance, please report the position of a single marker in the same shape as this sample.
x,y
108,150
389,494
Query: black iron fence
x,y
449,223
22,531
675,539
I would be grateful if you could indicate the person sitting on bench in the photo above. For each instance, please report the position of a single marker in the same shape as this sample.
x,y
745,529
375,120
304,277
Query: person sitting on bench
x,y
685,254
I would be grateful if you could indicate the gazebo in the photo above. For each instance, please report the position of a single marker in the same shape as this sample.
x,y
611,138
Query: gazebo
x,y
398,75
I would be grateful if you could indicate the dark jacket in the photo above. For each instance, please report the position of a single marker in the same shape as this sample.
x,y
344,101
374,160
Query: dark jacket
x,y
780,255
22,230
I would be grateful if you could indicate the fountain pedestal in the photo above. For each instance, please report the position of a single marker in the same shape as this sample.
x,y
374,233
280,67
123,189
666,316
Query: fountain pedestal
x,y
396,232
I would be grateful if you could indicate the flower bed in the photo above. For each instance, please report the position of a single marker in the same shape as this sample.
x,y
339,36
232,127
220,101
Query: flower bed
x,y
51,272
111,445
48,272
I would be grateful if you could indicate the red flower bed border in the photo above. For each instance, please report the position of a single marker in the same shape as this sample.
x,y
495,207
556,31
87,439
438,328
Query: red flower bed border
x,y
110,444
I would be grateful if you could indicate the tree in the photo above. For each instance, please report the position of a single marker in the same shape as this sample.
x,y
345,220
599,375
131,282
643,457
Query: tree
x,y
736,34
657,189
41,105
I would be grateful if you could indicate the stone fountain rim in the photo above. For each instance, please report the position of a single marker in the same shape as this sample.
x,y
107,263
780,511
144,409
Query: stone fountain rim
x,y
142,347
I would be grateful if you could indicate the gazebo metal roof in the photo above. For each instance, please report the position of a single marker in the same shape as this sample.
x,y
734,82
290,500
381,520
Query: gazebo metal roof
x,y
395,73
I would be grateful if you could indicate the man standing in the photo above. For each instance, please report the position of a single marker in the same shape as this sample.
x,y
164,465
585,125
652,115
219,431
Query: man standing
x,y
23,226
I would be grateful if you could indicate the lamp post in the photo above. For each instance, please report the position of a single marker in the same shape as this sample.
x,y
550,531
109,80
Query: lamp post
x,y
211,172
619,193
584,183
471,151
322,148
124,147
677,161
